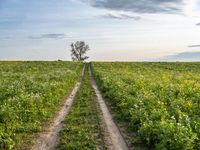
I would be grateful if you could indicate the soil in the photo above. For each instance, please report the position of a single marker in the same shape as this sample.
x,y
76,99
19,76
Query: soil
x,y
49,138
113,137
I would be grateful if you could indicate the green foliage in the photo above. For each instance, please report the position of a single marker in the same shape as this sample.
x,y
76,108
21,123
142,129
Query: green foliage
x,y
79,50
82,125
161,101
30,93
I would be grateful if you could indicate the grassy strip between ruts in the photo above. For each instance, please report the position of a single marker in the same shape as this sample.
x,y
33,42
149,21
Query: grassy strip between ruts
x,y
82,126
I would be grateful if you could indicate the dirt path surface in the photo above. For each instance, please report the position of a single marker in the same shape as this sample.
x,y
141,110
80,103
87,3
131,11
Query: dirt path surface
x,y
115,141
48,139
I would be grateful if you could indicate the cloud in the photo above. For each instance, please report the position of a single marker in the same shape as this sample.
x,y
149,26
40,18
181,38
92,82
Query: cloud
x,y
6,37
49,36
198,24
120,16
194,46
141,6
184,56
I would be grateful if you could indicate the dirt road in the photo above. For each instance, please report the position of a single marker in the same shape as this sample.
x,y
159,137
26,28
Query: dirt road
x,y
48,139
115,140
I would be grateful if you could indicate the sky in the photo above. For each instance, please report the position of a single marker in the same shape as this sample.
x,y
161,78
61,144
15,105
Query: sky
x,y
116,30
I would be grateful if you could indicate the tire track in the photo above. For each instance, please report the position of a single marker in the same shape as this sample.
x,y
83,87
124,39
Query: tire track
x,y
113,136
48,139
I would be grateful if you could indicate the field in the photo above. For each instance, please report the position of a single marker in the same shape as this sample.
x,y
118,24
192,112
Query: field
x,y
158,101
82,127
156,104
30,93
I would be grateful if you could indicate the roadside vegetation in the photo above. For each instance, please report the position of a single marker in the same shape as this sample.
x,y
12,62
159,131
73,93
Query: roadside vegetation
x,y
30,94
158,101
82,127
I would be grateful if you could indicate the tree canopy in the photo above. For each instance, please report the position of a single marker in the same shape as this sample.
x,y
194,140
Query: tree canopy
x,y
79,50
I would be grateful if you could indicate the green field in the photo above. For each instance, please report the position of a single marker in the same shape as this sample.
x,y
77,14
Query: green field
x,y
30,93
158,101
82,127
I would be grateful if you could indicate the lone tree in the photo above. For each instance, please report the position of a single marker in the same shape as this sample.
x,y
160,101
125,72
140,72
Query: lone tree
x,y
78,51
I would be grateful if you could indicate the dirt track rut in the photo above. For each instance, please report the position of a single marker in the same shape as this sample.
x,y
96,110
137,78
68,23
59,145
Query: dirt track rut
x,y
48,139
115,140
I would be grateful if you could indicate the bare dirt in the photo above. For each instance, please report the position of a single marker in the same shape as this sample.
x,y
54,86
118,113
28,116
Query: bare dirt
x,y
113,138
48,139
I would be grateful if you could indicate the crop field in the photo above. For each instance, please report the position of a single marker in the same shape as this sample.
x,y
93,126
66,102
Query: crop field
x,y
158,101
30,94
156,104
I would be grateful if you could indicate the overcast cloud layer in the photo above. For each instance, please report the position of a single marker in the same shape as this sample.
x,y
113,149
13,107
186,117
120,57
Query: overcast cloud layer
x,y
141,6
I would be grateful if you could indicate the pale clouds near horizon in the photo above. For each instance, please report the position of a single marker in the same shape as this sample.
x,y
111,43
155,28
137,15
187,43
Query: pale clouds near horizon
x,y
115,30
